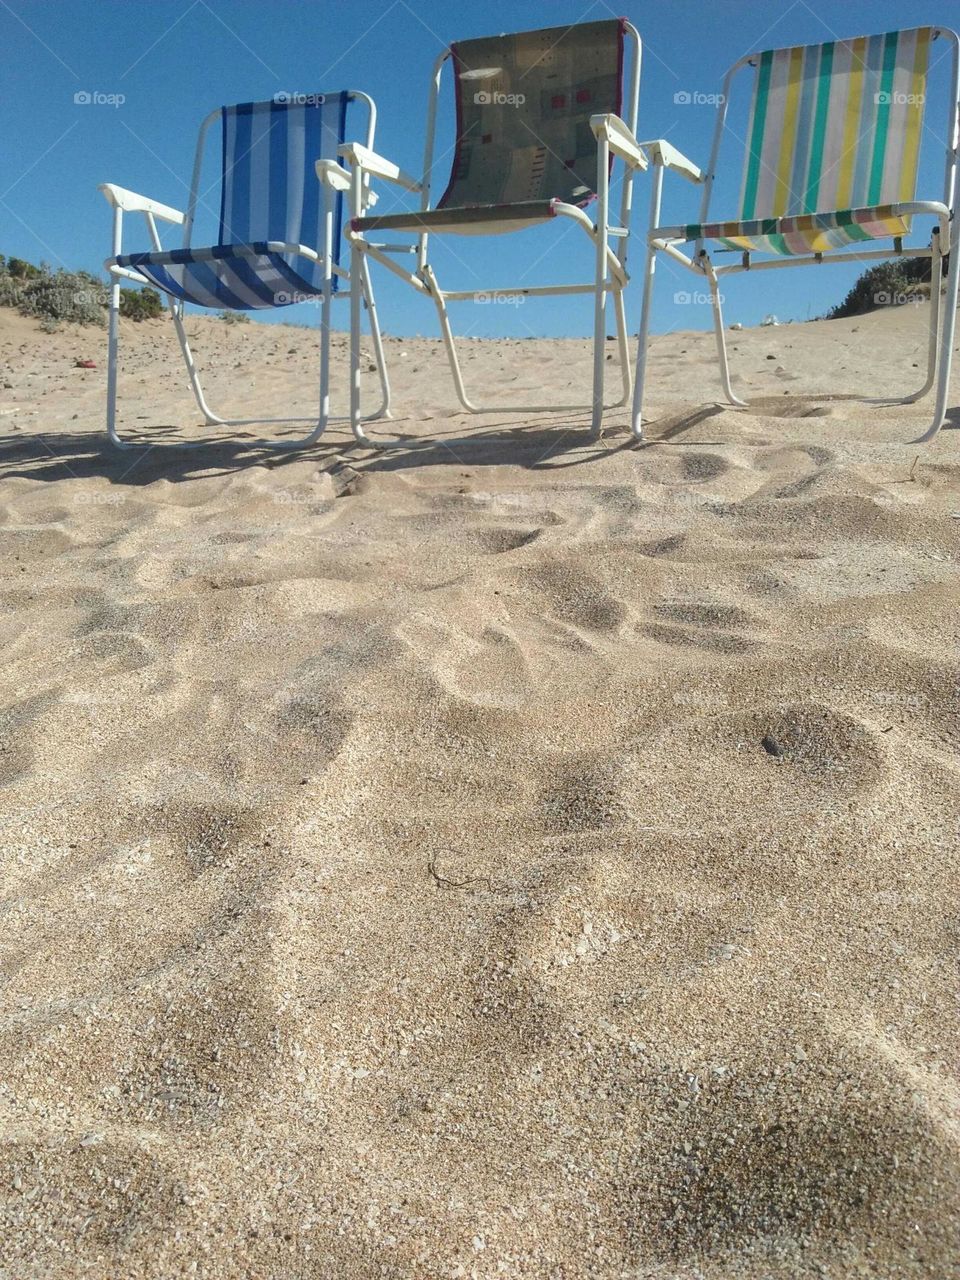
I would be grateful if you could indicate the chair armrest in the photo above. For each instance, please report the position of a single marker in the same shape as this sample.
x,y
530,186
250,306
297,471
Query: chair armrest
x,y
130,202
333,174
376,166
666,154
619,139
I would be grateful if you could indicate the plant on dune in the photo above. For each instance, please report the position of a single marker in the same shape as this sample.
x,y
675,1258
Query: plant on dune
x,y
19,269
887,284
53,296
140,304
234,317
78,297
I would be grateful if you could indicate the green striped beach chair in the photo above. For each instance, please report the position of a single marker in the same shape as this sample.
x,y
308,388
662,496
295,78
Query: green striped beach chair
x,y
830,174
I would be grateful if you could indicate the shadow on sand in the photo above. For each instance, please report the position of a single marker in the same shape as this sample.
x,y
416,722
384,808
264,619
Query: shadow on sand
x,y
164,454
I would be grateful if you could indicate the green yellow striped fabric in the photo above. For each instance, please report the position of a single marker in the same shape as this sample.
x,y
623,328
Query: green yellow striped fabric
x,y
836,126
803,232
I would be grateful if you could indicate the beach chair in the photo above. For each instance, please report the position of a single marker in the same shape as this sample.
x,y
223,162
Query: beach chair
x,y
830,173
281,199
538,128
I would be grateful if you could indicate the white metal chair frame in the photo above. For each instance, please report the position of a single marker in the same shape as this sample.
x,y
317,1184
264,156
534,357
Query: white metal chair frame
x,y
615,138
947,231
333,177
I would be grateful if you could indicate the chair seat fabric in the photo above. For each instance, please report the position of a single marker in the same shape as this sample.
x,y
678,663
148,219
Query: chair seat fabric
x,y
236,277
800,234
467,220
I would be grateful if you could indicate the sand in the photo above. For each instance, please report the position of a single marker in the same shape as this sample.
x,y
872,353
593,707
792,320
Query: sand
x,y
529,857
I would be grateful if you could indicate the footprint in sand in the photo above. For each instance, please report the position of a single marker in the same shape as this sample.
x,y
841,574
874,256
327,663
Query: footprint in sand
x,y
701,626
489,670
19,728
580,793
123,652
498,540
664,546
703,466
576,598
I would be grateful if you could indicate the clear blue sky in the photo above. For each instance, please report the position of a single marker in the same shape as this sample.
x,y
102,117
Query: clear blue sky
x,y
175,60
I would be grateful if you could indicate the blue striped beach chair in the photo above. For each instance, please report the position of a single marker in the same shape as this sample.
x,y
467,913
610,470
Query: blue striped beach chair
x,y
830,173
538,128
279,243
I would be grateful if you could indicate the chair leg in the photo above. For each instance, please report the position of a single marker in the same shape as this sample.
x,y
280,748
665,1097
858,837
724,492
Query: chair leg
x,y
360,286
714,283
449,341
600,285
377,339
933,345
113,347
356,300
623,349
643,342
361,289
948,330
212,419
326,307
427,283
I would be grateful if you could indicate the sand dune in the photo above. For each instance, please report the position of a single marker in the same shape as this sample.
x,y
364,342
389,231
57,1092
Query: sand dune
x,y
523,856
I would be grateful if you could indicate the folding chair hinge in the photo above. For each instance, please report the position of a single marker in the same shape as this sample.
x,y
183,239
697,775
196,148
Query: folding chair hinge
x,y
425,273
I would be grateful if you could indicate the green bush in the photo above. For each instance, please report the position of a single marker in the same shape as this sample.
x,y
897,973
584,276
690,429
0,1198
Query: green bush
x,y
234,317
75,296
21,270
887,284
140,304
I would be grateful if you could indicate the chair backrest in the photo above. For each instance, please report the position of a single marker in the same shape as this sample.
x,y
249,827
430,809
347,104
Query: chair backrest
x,y
836,126
270,189
524,104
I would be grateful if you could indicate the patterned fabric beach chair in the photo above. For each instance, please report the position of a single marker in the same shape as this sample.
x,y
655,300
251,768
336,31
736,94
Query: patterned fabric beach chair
x,y
538,127
833,147
280,225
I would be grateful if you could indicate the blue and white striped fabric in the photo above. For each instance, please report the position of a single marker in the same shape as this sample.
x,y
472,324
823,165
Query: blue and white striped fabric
x,y
270,193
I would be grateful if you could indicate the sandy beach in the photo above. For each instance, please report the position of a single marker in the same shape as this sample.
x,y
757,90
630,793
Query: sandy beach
x,y
524,856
